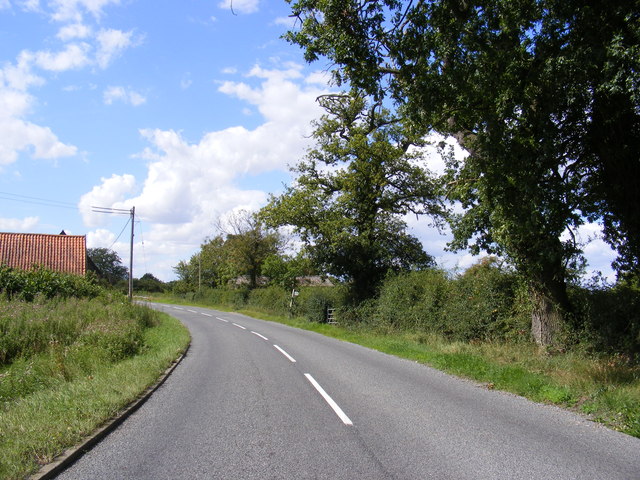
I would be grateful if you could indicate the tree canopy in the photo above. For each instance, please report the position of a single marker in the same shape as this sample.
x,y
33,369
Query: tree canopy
x,y
351,193
543,94
241,250
109,264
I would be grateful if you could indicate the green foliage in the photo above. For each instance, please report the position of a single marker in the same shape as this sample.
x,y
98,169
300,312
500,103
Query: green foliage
x,y
284,270
240,252
273,299
52,399
481,304
28,284
109,265
608,318
109,321
351,193
148,283
313,302
543,95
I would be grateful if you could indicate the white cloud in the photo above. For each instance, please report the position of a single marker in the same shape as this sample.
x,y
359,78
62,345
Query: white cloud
x,y
288,22
189,185
240,6
73,10
74,30
74,56
18,134
18,225
111,43
4,4
110,194
126,95
186,81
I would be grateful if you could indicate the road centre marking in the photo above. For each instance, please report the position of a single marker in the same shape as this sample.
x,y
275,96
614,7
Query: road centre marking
x,y
239,326
206,314
285,354
222,320
192,311
329,400
261,336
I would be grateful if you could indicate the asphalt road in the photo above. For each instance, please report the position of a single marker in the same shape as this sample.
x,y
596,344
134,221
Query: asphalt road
x,y
259,400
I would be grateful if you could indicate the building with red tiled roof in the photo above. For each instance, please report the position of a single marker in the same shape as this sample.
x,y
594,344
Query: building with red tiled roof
x,y
60,253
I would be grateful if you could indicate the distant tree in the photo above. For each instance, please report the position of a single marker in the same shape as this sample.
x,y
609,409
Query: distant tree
x,y
285,270
148,283
351,193
249,243
109,264
240,249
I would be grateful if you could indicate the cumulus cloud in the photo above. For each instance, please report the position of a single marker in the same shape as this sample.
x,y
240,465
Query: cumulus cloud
x,y
189,185
126,95
80,48
111,193
18,224
73,31
111,43
240,6
18,134
74,10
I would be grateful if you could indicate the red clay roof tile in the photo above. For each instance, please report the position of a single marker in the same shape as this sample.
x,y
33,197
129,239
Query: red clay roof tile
x,y
61,253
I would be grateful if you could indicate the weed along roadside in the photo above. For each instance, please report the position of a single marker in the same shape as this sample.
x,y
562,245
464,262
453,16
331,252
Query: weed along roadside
x,y
68,367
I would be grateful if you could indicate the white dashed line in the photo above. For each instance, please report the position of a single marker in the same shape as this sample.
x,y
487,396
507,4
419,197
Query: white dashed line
x,y
192,311
285,354
222,320
329,400
261,336
239,326
206,314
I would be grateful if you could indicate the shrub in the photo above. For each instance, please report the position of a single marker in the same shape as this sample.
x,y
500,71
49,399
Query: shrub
x,y
482,304
313,302
273,299
28,284
412,300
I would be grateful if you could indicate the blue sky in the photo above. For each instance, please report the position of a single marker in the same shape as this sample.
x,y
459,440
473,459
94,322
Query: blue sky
x,y
186,110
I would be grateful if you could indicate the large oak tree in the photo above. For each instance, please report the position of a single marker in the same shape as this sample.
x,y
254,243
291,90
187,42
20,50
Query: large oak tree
x,y
543,94
351,193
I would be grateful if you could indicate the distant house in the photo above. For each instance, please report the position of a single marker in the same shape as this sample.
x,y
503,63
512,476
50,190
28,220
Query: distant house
x,y
60,253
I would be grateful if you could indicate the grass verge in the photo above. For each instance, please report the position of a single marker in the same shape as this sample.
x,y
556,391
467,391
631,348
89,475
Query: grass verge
x,y
604,388
45,420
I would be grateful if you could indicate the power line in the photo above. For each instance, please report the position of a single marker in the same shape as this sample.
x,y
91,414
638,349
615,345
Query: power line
x,y
120,234
14,197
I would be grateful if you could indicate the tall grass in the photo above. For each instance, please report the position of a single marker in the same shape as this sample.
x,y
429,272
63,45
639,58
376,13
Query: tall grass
x,y
66,366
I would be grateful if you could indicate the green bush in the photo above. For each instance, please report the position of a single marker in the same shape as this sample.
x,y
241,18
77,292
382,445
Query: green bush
x,y
482,304
273,299
313,302
109,322
607,318
412,300
29,284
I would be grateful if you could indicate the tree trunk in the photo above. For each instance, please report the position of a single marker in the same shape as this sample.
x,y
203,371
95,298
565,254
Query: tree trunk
x,y
550,306
546,319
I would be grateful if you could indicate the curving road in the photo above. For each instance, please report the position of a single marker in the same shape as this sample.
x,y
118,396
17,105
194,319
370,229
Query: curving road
x,y
259,400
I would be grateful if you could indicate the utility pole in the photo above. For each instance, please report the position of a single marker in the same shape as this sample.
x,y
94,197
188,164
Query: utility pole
x,y
122,211
133,218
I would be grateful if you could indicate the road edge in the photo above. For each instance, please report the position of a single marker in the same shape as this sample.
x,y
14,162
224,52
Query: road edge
x,y
73,454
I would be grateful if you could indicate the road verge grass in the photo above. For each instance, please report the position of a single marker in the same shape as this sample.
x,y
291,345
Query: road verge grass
x,y
74,386
604,388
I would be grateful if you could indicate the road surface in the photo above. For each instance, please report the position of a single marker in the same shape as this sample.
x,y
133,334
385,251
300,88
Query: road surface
x,y
259,400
